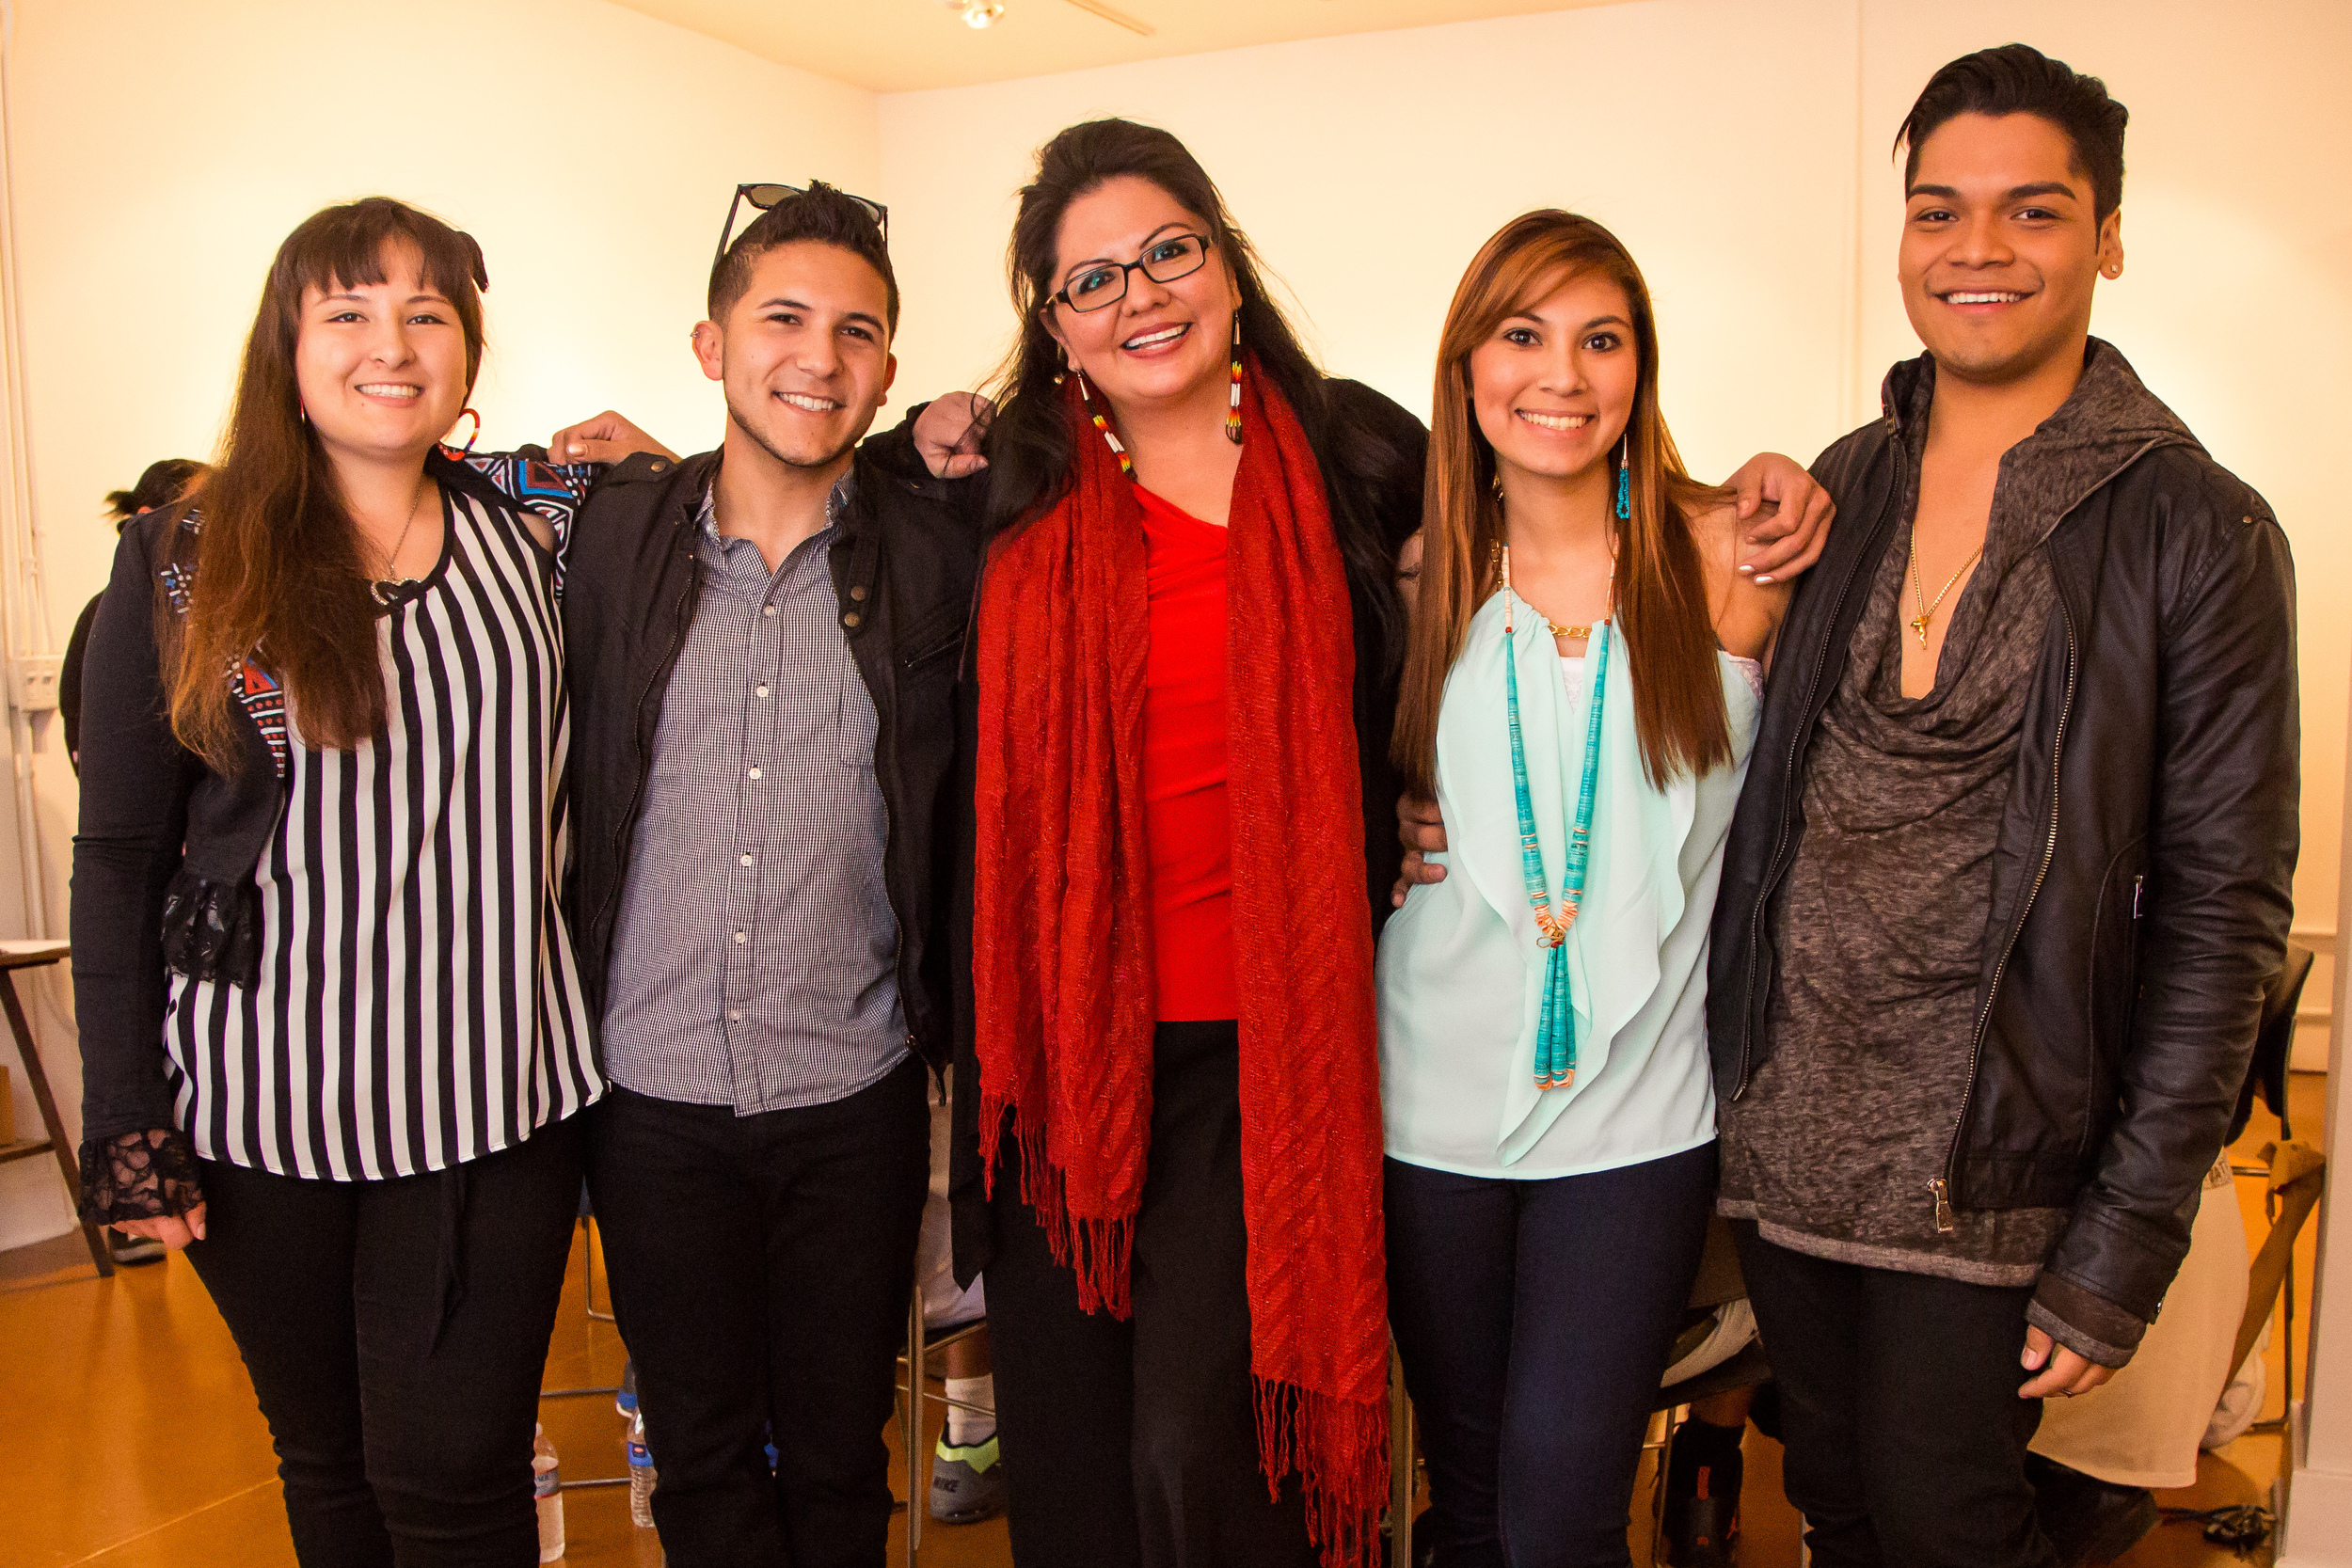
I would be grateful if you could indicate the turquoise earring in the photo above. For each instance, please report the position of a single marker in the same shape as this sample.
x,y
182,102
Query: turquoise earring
x,y
1625,487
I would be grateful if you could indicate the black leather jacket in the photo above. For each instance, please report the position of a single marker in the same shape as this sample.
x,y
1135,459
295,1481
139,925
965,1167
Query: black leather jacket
x,y
2142,878
902,570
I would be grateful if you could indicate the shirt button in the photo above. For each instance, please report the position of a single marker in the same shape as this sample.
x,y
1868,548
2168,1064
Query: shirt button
x,y
851,620
754,772
735,1015
767,610
760,690
740,937
743,859
857,590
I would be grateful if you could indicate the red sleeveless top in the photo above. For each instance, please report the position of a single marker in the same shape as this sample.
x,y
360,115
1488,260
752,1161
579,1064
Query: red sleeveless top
x,y
1187,825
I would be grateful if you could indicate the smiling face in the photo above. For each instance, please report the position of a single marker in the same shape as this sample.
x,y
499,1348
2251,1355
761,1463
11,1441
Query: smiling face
x,y
1163,342
2001,249
1553,384
381,367
805,352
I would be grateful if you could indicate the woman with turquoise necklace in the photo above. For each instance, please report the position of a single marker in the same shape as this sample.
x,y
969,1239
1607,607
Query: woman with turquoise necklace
x,y
1580,695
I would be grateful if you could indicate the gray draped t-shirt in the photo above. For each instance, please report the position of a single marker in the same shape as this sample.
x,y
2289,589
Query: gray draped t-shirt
x,y
1882,928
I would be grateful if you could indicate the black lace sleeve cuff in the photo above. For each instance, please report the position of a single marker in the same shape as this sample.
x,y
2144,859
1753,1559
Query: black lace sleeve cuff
x,y
211,929
139,1175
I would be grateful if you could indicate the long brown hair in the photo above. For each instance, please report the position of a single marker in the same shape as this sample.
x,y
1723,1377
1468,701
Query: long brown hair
x,y
1663,608
278,576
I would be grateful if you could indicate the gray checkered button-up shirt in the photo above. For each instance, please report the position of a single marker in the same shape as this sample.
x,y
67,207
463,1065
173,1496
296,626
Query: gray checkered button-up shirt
x,y
754,963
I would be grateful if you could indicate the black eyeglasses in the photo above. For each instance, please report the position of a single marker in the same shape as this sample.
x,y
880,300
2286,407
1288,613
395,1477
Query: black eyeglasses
x,y
1103,283
764,196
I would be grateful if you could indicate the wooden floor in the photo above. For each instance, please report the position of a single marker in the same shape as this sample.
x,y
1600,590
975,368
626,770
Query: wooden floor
x,y
133,1440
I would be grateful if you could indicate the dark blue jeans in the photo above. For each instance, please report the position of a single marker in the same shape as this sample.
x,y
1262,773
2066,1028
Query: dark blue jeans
x,y
1534,1320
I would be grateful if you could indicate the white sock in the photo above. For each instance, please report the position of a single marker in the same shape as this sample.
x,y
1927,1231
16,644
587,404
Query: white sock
x,y
966,1428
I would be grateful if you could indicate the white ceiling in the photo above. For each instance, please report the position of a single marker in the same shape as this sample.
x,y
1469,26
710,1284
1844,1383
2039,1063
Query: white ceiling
x,y
902,45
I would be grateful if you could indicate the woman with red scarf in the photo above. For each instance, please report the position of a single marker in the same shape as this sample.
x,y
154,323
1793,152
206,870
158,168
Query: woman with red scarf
x,y
1185,666
1183,675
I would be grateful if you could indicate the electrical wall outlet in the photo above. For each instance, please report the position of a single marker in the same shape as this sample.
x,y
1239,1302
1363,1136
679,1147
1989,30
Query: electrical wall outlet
x,y
33,681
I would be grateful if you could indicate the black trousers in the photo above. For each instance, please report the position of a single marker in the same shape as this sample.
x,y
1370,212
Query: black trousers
x,y
1534,1320
1135,1443
761,1267
395,1332
1906,1439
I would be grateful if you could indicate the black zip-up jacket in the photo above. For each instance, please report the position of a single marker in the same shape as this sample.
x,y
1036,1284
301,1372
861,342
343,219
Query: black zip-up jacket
x,y
2141,893
902,572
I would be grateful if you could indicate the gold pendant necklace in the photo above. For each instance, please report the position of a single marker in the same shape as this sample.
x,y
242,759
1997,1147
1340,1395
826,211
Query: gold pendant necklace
x,y
1928,606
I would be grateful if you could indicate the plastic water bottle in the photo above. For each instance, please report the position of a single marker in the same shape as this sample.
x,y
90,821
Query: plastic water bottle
x,y
546,1489
641,1475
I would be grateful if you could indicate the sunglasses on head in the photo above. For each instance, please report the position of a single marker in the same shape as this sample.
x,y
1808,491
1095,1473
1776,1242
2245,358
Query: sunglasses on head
x,y
766,196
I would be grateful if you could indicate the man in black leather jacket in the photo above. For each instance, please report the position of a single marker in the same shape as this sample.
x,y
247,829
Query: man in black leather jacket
x,y
2012,864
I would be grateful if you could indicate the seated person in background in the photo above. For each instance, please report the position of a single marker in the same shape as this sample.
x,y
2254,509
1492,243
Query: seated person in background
x,y
2096,1456
967,1478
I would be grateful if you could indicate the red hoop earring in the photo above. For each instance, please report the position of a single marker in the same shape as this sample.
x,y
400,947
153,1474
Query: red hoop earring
x,y
471,436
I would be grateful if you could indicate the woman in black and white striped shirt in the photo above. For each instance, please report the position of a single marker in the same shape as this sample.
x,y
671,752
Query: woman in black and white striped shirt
x,y
334,1037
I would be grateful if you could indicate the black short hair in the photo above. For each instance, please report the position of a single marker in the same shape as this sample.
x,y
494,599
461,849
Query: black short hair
x,y
2017,78
159,486
821,213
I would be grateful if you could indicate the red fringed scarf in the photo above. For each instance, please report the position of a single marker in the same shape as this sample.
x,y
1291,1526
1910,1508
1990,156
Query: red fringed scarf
x,y
1062,946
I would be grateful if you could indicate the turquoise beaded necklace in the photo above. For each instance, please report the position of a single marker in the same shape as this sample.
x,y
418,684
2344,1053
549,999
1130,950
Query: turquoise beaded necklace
x,y
1555,1031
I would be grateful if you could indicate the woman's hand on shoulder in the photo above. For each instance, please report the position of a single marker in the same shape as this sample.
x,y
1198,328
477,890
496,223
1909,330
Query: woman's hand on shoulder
x,y
607,438
948,432
1408,570
1777,545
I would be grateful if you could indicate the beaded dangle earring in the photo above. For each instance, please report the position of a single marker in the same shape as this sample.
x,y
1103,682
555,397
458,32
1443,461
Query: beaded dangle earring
x,y
1625,480
1126,465
471,436
1232,415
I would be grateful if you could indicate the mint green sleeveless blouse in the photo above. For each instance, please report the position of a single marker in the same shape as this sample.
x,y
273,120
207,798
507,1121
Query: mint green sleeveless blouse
x,y
1459,964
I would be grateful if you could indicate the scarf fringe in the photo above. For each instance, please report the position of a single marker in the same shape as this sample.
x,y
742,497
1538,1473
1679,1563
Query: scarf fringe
x,y
1338,1449
1096,1251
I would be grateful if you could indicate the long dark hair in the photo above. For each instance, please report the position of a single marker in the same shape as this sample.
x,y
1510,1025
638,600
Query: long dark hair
x,y
1028,447
1661,584
278,574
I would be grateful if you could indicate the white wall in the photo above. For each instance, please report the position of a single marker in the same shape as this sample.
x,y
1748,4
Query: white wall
x,y
1732,144
161,151
1368,170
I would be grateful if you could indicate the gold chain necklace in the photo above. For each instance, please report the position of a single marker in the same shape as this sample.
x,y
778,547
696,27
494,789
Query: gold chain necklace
x,y
1927,605
1500,557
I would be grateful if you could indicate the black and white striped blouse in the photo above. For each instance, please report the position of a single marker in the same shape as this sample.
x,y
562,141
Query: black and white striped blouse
x,y
417,1003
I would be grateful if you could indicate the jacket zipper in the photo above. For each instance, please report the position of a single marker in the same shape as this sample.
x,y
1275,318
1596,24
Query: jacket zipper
x,y
1942,1186
1779,865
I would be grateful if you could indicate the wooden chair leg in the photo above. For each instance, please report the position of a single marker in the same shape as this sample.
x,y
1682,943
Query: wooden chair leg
x,y
38,1077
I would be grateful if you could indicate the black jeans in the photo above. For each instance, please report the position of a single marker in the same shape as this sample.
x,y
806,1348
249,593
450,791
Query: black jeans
x,y
1135,1443
761,1268
395,1331
1899,1404
1534,1320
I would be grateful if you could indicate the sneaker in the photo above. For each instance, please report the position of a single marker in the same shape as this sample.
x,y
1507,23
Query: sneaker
x,y
131,1250
967,1483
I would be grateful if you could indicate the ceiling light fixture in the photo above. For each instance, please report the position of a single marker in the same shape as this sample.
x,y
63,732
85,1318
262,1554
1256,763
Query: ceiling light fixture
x,y
977,13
